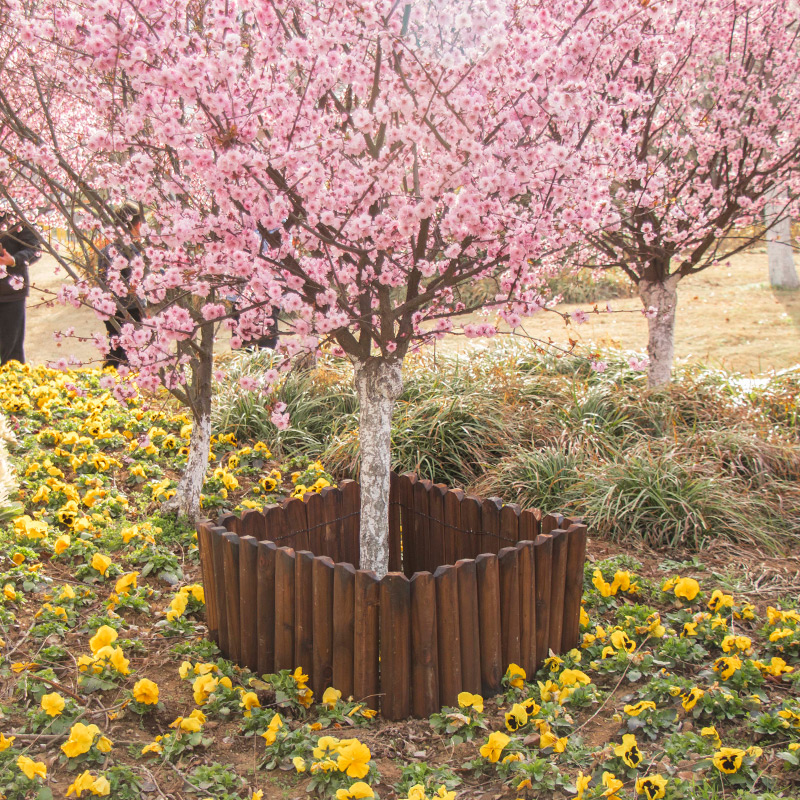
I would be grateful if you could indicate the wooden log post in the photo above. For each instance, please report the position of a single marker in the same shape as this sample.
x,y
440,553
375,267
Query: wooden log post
x,y
449,634
576,557
453,546
275,525
253,524
315,513
284,608
205,545
265,604
231,571
421,522
543,566
490,525
488,570
297,523
218,551
395,646
529,525
527,607
303,610
509,605
344,583
351,507
424,646
248,600
471,540
366,676
436,531
332,536
395,525
509,524
405,489
322,622
469,625
558,578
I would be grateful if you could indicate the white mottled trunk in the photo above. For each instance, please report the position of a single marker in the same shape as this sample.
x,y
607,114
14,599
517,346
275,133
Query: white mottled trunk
x,y
378,384
186,501
782,271
663,295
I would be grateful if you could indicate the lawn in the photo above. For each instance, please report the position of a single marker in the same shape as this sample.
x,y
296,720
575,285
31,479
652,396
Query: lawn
x,y
727,316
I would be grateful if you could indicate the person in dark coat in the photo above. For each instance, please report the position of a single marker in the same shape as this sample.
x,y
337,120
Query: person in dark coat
x,y
130,311
20,246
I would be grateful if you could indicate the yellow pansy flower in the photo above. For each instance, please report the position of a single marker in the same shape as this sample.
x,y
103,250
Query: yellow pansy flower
x,y
686,589
249,701
353,760
612,784
629,751
104,636
653,787
101,563
516,675
126,583
52,704
81,738
469,700
728,759
32,769
146,691
330,697
358,791
516,718
494,746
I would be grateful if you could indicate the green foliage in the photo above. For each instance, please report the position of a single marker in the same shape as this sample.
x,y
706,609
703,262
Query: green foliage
x,y
677,467
422,774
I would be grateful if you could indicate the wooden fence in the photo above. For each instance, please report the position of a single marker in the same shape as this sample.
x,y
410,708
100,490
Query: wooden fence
x,y
474,585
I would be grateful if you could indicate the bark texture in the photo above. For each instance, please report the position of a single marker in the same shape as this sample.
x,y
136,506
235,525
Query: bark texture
x,y
378,383
782,271
663,295
186,501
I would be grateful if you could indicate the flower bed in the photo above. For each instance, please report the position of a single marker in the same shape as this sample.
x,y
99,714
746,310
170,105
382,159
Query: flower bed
x,y
473,586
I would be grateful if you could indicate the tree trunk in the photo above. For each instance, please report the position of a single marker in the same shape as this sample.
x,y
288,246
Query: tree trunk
x,y
782,272
186,501
378,384
662,295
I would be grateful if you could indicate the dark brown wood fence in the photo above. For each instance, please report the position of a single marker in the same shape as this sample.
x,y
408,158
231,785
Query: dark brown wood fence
x,y
474,585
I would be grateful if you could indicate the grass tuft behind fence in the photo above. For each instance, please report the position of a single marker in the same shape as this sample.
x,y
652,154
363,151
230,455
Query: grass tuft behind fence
x,y
709,456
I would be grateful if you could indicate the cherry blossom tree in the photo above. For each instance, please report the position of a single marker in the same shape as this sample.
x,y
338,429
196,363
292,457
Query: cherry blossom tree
x,y
351,166
704,123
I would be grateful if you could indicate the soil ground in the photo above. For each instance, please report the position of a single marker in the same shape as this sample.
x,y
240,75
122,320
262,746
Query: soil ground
x,y
728,317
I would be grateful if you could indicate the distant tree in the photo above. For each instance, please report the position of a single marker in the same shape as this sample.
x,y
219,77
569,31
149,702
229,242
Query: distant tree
x,y
704,124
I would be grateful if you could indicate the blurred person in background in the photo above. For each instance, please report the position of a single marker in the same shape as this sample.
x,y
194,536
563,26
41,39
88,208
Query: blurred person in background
x,y
128,308
20,246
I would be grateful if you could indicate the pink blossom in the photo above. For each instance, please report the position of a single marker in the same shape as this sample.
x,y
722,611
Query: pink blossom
x,y
599,366
280,421
579,317
248,383
638,364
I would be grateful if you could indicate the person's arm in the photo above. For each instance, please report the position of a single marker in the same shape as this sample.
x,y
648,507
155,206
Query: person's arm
x,y
25,246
